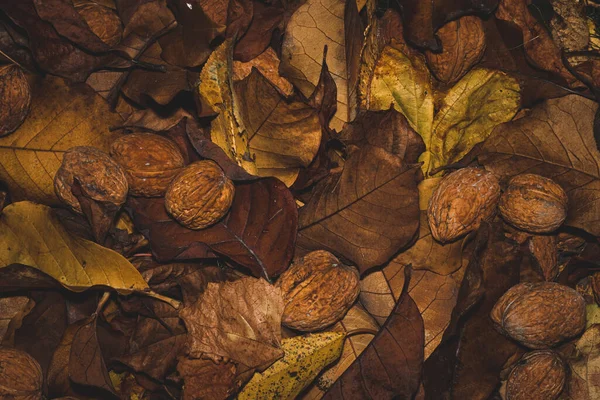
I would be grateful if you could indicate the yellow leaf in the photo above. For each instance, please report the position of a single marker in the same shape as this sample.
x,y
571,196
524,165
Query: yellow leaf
x,y
592,315
61,117
305,357
33,236
405,84
469,112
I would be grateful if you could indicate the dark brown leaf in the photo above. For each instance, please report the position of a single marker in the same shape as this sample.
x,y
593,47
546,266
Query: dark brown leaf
x,y
205,379
12,311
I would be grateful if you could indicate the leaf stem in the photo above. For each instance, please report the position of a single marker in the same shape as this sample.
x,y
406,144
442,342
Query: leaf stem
x,y
361,331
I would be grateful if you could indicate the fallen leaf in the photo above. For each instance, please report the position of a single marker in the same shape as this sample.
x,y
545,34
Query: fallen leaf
x,y
258,233
304,358
34,237
12,307
463,44
362,216
240,321
314,25
391,364
205,379
61,117
544,251
555,139
144,17
569,26
150,120
267,64
585,366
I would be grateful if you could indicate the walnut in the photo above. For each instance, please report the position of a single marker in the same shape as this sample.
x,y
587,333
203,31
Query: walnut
x,y
540,315
461,202
15,98
104,22
21,376
200,195
539,375
150,162
100,177
534,204
318,290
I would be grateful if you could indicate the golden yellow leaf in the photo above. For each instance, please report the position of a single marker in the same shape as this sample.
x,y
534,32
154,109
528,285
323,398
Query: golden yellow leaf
x,y
33,236
469,112
405,84
305,357
61,117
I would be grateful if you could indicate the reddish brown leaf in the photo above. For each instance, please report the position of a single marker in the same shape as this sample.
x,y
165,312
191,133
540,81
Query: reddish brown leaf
x,y
205,379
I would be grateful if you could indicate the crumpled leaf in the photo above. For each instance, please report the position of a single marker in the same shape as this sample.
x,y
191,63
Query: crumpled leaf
x,y
305,357
363,216
61,117
555,139
268,65
258,233
314,25
33,236
469,111
569,25
585,366
240,321
391,364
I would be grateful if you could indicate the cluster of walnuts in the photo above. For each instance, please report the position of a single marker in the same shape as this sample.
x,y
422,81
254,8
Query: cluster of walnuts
x,y
540,315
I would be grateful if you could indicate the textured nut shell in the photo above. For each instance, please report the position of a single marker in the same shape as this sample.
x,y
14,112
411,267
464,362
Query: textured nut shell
x,y
103,21
200,195
463,45
15,98
150,162
100,177
461,202
533,203
539,375
318,291
20,375
540,315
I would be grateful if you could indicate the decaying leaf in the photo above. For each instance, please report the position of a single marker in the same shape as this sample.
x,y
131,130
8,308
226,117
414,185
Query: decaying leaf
x,y
304,357
268,65
205,379
585,366
240,321
11,307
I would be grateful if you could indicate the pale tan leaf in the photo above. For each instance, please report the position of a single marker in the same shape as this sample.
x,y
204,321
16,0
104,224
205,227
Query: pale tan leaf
x,y
268,65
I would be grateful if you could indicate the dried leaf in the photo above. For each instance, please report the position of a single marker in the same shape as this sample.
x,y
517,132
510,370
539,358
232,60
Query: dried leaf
x,y
61,117
569,26
555,140
12,307
585,366
205,379
238,320
34,237
314,25
258,233
362,216
391,365
268,65
304,358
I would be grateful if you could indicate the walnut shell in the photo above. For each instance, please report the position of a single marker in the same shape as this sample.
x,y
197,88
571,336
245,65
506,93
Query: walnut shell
x,y
21,376
540,315
150,162
539,375
534,204
200,195
104,22
15,98
461,202
100,177
317,291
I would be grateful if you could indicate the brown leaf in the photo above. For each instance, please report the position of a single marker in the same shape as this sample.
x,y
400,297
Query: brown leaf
x,y
16,308
582,383
367,212
463,44
258,232
545,253
144,17
268,65
554,140
240,321
391,365
205,379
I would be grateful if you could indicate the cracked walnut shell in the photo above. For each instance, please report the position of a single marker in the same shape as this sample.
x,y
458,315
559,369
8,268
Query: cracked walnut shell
x,y
200,195
533,203
540,315
100,177
150,162
539,375
461,202
20,375
318,291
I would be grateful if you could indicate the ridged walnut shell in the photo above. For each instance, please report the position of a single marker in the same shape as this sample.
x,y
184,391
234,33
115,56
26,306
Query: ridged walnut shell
x,y
461,202
539,375
200,195
317,291
104,22
540,315
534,204
150,162
21,376
15,98
100,177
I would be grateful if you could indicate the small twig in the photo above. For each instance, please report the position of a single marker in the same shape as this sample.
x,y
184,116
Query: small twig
x,y
11,59
102,302
362,331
